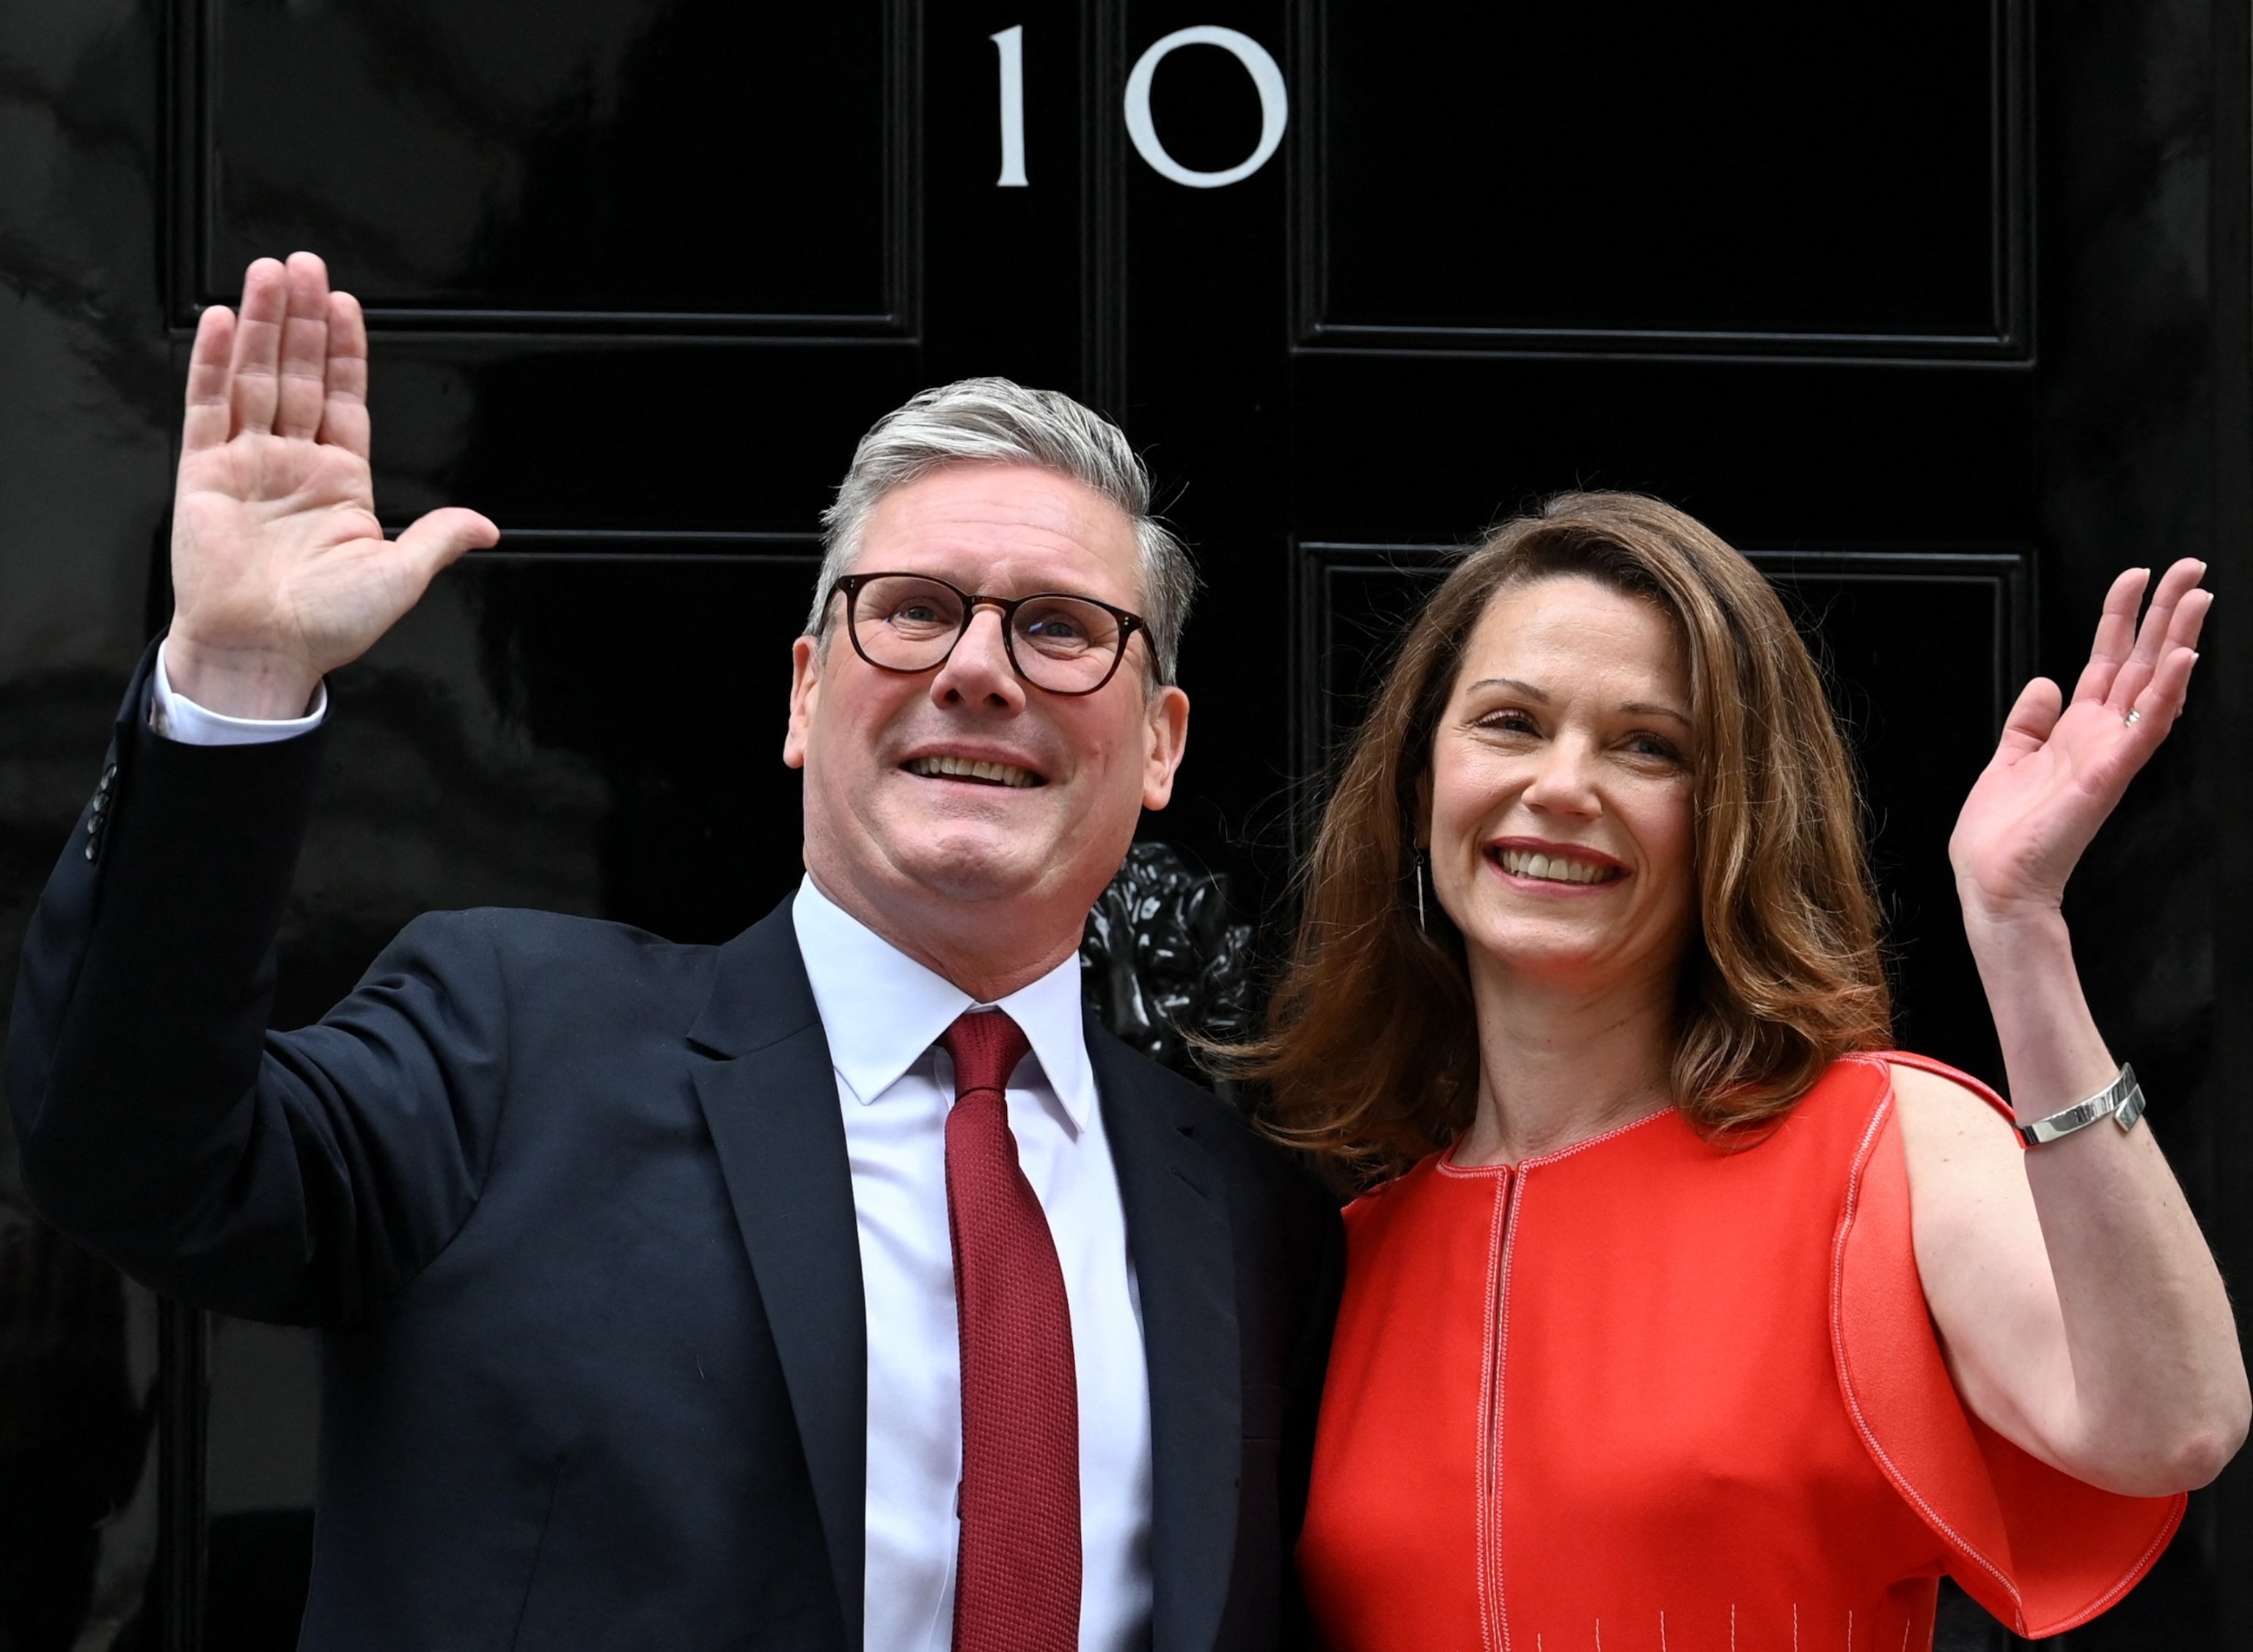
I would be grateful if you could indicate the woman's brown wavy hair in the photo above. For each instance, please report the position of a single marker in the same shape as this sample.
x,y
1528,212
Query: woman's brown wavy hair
x,y
1370,1050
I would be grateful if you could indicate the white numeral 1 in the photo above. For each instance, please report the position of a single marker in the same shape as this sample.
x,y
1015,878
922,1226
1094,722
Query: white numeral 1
x,y
1011,45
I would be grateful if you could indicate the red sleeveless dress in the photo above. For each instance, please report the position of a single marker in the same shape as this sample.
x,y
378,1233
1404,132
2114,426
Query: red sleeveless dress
x,y
1647,1395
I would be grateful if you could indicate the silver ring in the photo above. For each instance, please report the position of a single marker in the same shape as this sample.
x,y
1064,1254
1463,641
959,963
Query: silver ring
x,y
2131,719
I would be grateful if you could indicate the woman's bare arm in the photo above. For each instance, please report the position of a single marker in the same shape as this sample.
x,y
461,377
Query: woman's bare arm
x,y
2145,1393
2079,1306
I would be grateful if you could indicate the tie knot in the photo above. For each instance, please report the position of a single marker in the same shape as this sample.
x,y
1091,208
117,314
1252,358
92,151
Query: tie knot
x,y
986,1047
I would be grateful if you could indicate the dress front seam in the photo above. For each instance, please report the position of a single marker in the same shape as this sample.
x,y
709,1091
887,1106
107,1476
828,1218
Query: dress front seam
x,y
1484,1444
1493,1592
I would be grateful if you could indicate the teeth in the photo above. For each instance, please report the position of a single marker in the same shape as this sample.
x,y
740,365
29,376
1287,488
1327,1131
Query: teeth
x,y
1553,868
973,768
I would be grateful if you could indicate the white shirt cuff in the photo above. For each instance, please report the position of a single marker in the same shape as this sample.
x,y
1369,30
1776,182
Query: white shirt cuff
x,y
177,717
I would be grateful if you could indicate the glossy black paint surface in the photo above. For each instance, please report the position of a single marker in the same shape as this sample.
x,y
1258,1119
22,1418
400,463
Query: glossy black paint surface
x,y
488,160
1651,170
1940,285
78,1413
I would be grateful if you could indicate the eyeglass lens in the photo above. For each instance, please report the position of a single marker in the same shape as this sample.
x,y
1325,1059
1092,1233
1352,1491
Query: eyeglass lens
x,y
1063,643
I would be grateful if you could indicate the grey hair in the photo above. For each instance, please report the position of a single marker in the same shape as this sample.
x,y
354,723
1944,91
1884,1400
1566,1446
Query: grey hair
x,y
996,421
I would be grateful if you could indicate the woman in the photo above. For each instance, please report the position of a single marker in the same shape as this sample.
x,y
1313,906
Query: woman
x,y
1680,1313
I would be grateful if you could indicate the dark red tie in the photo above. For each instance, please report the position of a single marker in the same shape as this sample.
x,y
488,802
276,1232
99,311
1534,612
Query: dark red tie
x,y
1016,1578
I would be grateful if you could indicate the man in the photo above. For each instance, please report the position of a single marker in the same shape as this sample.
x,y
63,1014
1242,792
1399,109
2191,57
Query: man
x,y
638,1263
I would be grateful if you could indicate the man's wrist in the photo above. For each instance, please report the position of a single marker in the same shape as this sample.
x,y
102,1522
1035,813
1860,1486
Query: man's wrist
x,y
246,685
178,717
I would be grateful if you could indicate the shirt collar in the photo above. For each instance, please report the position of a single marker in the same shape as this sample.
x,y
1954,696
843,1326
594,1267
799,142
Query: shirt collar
x,y
882,1011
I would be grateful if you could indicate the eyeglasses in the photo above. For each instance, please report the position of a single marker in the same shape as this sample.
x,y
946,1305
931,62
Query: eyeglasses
x,y
910,622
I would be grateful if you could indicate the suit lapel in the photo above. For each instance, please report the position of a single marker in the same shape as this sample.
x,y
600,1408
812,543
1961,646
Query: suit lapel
x,y
770,1097
1178,1233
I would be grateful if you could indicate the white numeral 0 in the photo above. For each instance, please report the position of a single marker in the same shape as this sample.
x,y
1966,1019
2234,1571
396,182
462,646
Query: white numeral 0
x,y
1274,104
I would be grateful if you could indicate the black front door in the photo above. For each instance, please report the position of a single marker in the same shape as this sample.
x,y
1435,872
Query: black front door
x,y
1913,304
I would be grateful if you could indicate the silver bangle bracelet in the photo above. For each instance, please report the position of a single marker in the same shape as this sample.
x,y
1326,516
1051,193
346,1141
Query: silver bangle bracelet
x,y
2121,1101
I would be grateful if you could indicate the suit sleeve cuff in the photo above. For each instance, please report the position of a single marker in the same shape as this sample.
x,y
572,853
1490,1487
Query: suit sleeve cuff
x,y
178,718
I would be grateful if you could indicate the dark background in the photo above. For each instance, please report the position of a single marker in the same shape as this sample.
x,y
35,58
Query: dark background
x,y
1938,308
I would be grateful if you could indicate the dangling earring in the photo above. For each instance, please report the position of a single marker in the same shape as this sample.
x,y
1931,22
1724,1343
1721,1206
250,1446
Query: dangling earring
x,y
1419,870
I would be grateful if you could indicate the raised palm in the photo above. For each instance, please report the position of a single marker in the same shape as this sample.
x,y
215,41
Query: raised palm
x,y
281,572
2060,768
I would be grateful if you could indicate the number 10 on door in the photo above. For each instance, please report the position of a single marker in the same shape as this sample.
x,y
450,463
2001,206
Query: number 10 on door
x,y
1266,79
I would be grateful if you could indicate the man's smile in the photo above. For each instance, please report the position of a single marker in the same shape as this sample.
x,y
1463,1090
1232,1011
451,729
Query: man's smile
x,y
977,770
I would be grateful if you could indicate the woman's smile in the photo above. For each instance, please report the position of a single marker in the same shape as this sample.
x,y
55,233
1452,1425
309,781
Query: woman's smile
x,y
1544,868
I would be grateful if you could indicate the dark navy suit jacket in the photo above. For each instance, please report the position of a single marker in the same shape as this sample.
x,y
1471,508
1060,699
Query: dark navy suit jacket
x,y
571,1206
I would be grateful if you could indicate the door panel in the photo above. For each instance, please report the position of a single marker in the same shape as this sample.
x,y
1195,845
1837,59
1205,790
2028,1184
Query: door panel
x,y
493,163
1622,176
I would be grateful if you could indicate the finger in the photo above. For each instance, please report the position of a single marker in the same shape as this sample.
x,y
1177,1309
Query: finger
x,y
2116,635
2162,701
2151,638
304,355
434,540
2032,717
2190,619
210,419
344,416
2179,596
258,344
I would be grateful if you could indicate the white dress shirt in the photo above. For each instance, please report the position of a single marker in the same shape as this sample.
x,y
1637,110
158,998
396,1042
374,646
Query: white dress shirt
x,y
883,1014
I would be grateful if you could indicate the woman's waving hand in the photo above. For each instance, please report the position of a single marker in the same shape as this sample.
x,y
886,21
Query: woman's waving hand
x,y
2062,767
